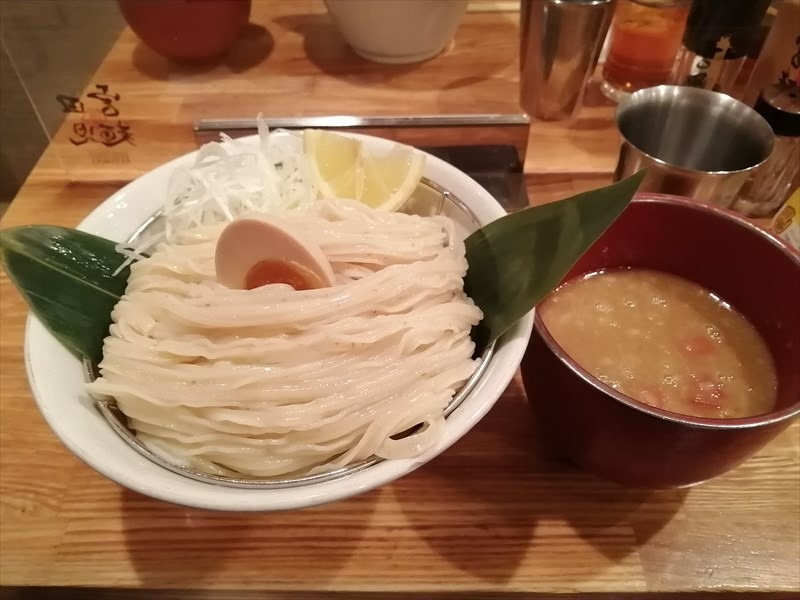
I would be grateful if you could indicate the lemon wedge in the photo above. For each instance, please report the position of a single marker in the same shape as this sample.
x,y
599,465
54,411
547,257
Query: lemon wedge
x,y
342,167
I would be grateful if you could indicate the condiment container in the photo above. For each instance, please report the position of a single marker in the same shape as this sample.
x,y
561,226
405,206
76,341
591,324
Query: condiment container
x,y
716,41
779,59
786,223
771,183
643,41
559,46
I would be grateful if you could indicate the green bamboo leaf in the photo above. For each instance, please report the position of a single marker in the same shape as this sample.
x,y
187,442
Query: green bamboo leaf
x,y
67,278
515,261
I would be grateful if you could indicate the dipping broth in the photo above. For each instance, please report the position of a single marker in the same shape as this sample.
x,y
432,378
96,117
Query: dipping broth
x,y
664,341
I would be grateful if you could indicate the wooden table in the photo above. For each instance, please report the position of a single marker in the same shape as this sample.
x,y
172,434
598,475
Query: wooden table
x,y
495,515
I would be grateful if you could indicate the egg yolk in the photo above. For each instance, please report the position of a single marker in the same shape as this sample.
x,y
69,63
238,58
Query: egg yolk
x,y
291,273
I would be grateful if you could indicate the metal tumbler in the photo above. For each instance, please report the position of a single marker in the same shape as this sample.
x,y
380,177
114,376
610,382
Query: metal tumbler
x,y
560,43
694,142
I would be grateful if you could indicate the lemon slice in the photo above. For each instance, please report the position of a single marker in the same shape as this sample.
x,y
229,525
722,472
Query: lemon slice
x,y
334,161
343,168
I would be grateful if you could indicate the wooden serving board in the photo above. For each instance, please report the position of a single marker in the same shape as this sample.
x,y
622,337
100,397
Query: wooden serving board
x,y
497,515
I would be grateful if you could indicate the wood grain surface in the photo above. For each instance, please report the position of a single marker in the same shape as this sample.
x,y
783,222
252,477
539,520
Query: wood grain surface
x,y
497,515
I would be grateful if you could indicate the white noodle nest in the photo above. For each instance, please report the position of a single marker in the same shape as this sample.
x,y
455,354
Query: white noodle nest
x,y
274,382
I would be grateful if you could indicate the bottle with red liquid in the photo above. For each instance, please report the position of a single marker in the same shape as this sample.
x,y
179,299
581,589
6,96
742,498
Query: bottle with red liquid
x,y
644,38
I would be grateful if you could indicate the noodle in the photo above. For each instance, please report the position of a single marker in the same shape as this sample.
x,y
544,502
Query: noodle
x,y
272,381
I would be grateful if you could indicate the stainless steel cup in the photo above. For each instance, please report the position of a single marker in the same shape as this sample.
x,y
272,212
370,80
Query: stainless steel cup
x,y
560,41
694,142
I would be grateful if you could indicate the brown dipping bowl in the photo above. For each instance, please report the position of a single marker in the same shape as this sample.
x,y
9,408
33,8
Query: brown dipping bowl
x,y
633,443
187,31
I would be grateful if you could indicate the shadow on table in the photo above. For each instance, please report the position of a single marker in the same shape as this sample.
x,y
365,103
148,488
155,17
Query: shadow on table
x,y
171,545
500,485
325,47
253,46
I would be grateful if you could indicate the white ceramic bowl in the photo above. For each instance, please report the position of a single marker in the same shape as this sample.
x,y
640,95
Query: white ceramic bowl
x,y
57,380
397,31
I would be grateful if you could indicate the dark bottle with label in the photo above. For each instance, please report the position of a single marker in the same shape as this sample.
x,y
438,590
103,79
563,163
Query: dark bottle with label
x,y
779,61
718,36
773,181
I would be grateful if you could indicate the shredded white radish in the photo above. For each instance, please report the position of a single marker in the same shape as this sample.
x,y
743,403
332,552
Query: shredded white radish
x,y
230,180
237,178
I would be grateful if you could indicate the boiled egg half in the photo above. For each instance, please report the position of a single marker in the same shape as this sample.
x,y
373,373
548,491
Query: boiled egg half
x,y
258,250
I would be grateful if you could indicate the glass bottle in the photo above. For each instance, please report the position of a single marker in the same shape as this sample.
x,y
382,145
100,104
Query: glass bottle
x,y
715,44
644,39
756,47
773,181
779,60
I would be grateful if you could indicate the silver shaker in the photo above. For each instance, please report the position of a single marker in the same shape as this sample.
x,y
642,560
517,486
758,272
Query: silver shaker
x,y
560,41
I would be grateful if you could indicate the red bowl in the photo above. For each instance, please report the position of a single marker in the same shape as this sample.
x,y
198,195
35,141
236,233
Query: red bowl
x,y
621,439
187,31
